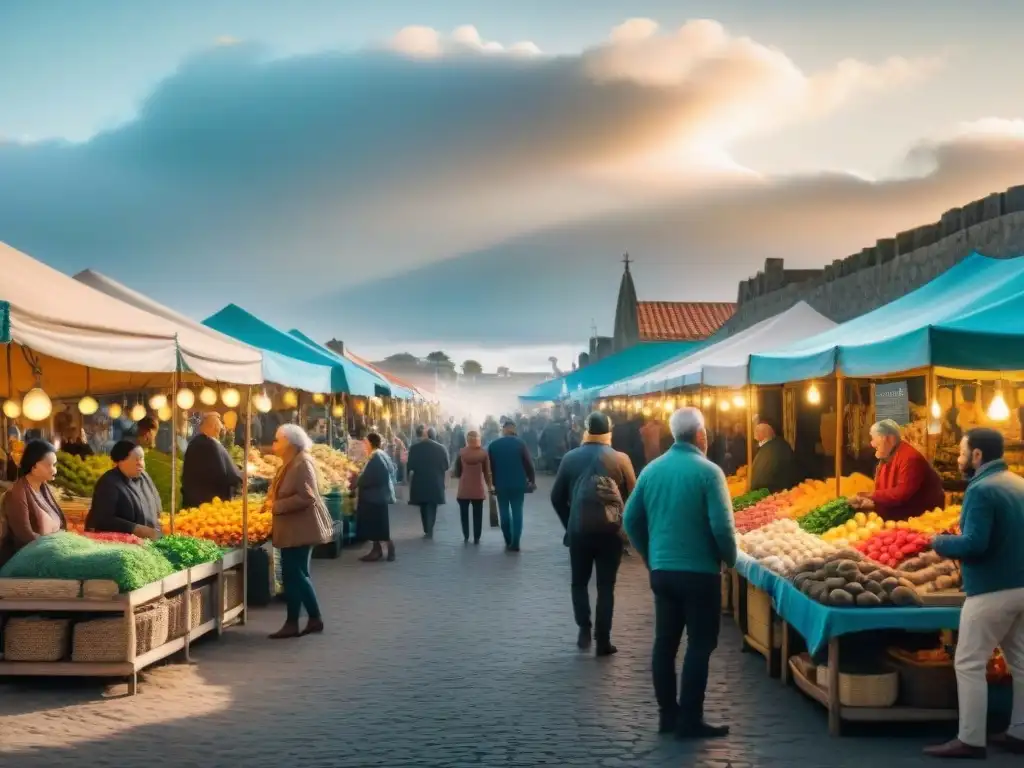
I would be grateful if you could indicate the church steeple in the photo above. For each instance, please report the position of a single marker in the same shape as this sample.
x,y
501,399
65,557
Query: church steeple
x,y
627,327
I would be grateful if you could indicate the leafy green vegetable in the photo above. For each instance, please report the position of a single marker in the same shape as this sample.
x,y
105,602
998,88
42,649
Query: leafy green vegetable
x,y
749,499
186,551
827,516
70,556
158,466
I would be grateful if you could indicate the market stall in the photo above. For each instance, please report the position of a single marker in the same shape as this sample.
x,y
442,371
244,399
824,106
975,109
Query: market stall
x,y
70,345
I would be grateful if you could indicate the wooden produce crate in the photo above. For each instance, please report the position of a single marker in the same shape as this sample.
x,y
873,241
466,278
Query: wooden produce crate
x,y
764,630
925,684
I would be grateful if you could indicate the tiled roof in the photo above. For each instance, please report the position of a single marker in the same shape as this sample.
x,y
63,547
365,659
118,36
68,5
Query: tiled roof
x,y
681,320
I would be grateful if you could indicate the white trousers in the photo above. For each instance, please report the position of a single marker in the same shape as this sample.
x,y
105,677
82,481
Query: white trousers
x,y
988,621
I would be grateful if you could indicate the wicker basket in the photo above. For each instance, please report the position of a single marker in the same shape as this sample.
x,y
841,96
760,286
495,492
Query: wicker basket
x,y
100,589
106,640
877,690
40,589
232,588
759,618
925,685
34,638
176,618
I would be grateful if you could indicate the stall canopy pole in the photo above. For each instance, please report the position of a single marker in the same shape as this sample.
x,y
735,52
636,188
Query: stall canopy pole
x,y
174,447
245,506
840,407
751,400
931,441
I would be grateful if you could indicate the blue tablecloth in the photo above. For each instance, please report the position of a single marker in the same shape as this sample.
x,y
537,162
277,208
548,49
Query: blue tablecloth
x,y
818,623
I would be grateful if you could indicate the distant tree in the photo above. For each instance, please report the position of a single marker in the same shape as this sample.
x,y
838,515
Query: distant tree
x,y
403,358
472,368
504,372
439,358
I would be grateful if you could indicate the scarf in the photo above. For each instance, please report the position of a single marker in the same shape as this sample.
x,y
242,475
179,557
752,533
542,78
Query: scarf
x,y
605,439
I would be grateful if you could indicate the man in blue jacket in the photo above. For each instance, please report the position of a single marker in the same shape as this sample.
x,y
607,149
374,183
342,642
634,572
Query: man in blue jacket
x,y
514,477
679,518
990,549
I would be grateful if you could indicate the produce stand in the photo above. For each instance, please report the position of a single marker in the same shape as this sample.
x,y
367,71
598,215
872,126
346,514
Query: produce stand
x,y
822,627
227,608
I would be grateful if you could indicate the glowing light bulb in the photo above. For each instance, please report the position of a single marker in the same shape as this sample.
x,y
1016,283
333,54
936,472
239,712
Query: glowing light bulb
x,y
724,405
185,398
338,411
36,405
156,402
87,406
936,409
138,412
602,405
230,397
290,399
208,396
707,400
262,402
318,398
164,412
813,395
12,409
739,401
670,405
114,410
998,410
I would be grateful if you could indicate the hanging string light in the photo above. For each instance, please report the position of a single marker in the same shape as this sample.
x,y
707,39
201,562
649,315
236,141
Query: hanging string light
x,y
338,411
230,397
87,406
12,409
724,405
936,409
290,399
998,410
262,402
208,396
114,410
164,412
185,398
158,401
813,394
36,405
318,398
138,412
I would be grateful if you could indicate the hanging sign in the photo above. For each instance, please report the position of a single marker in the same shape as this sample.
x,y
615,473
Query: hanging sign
x,y
892,401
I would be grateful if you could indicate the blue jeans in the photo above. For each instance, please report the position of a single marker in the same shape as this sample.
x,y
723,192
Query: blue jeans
x,y
510,509
298,586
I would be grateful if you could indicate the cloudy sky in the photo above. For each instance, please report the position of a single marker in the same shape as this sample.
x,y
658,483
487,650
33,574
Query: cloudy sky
x,y
467,175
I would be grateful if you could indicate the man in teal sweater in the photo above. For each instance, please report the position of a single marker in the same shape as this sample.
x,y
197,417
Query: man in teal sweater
x,y
990,549
679,518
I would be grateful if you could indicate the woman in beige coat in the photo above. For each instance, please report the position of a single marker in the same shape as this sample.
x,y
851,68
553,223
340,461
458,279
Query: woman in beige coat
x,y
301,522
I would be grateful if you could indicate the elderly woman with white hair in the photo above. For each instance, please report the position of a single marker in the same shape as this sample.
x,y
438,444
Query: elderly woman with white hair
x,y
906,484
301,522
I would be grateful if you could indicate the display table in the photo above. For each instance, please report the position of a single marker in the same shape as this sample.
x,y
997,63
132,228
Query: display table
x,y
223,579
822,626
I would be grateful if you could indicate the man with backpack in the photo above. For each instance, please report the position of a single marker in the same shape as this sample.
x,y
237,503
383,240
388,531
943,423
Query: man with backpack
x,y
589,495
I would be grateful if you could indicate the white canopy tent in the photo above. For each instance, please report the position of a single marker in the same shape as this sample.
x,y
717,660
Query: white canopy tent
x,y
70,339
725,364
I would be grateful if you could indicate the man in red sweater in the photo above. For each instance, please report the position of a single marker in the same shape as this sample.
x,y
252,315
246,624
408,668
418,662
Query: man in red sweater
x,y
906,485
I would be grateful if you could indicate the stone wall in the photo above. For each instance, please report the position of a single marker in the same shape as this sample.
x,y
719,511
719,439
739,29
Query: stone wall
x,y
893,267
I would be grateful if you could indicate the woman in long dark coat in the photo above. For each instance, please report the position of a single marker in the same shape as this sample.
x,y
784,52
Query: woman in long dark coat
x,y
376,486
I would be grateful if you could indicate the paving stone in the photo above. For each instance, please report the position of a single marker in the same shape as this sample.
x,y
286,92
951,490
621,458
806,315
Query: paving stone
x,y
451,656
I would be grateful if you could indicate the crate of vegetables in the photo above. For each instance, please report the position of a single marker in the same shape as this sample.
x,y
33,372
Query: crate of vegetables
x,y
927,679
892,547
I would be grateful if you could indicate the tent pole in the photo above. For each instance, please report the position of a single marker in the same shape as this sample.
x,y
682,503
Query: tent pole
x,y
931,441
174,446
840,407
245,507
751,395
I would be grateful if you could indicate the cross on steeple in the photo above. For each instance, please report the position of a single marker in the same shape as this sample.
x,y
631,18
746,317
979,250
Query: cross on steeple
x,y
626,261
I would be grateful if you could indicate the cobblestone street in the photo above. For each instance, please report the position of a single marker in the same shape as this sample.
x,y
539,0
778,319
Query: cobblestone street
x,y
452,656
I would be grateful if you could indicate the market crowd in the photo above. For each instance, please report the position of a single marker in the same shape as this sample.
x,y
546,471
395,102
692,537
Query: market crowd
x,y
657,485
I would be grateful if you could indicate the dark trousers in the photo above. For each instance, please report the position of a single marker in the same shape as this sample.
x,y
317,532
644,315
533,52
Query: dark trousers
x,y
298,586
684,600
510,513
428,516
602,553
478,517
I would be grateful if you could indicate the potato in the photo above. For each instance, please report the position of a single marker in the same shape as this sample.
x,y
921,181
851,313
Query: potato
x,y
878,575
927,588
835,582
913,564
814,564
889,584
943,582
820,574
832,568
866,567
816,590
873,587
867,600
931,557
799,579
848,554
840,598
945,568
848,566
905,597
855,588
906,583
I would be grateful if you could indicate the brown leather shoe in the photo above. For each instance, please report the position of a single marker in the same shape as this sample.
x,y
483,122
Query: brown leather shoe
x,y
1008,743
314,627
957,750
391,551
289,630
373,555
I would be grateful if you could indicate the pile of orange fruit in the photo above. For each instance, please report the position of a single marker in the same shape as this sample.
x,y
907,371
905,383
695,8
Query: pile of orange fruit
x,y
221,522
